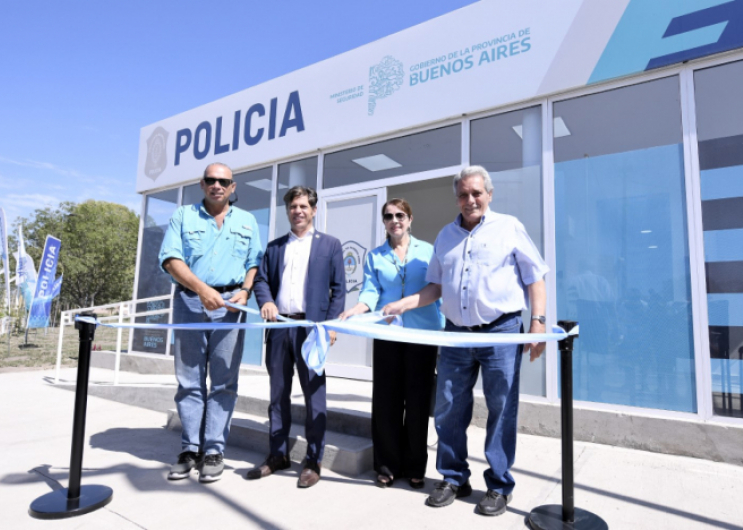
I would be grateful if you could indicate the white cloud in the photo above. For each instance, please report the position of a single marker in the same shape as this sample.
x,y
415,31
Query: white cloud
x,y
21,205
66,172
134,205
31,200
44,165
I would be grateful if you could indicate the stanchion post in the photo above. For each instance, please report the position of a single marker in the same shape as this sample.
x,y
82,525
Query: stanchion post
x,y
566,413
567,516
76,499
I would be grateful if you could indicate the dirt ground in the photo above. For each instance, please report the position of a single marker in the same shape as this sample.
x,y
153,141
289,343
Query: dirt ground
x,y
41,351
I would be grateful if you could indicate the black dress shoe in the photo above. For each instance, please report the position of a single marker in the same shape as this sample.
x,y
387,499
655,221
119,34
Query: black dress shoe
x,y
493,503
446,492
272,464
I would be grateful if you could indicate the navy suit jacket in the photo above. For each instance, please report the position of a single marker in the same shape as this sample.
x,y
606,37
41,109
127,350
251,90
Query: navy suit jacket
x,y
325,287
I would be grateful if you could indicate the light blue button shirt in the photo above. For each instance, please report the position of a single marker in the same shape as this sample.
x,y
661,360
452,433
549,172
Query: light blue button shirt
x,y
217,257
383,275
484,273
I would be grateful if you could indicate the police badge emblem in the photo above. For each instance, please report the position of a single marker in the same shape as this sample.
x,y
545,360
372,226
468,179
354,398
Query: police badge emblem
x,y
353,262
157,157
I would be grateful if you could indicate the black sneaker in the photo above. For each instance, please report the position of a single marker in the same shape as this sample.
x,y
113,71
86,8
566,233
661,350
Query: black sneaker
x,y
493,503
187,460
446,492
211,468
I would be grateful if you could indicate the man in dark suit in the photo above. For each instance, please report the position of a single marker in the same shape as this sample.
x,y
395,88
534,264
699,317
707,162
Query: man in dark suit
x,y
301,277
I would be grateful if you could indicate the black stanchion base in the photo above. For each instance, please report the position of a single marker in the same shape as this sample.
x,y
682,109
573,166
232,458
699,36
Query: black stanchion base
x,y
56,505
549,517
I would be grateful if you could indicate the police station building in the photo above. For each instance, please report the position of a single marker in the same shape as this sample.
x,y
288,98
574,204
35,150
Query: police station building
x,y
612,129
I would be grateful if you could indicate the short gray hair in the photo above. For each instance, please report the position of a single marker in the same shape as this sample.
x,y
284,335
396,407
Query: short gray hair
x,y
470,171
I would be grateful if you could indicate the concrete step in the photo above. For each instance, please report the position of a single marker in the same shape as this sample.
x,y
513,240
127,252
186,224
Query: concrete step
x,y
340,420
344,453
160,398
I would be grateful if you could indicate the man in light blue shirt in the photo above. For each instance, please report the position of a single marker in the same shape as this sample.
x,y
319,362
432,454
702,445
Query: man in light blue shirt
x,y
484,266
211,251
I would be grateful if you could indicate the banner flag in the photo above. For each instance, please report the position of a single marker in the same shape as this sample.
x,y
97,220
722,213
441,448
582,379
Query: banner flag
x,y
57,288
4,254
25,272
41,306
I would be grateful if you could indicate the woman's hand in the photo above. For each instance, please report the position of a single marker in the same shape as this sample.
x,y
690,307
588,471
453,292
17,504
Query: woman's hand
x,y
358,309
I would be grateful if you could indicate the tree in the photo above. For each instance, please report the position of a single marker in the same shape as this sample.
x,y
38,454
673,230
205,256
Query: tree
x,y
99,249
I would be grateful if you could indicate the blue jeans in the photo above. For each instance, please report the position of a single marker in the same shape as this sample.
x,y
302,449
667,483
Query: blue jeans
x,y
457,375
205,417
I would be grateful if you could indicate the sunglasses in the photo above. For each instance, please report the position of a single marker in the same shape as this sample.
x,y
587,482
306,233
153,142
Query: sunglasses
x,y
400,216
225,183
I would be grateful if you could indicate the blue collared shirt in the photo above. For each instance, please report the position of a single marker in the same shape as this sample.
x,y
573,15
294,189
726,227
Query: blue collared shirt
x,y
484,273
217,257
383,282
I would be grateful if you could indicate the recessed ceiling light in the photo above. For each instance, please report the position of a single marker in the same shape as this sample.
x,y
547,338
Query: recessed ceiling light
x,y
376,162
560,129
653,246
645,231
264,184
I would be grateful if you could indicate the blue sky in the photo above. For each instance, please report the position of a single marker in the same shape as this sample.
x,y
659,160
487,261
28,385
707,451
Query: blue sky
x,y
78,79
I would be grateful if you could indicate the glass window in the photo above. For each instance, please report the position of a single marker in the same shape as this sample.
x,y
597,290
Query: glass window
x,y
720,137
299,173
152,280
400,156
253,193
622,248
509,146
433,203
192,194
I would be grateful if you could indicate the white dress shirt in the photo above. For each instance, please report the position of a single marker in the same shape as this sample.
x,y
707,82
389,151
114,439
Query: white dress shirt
x,y
290,299
483,273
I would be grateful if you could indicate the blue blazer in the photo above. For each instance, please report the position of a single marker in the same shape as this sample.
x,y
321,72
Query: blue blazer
x,y
325,294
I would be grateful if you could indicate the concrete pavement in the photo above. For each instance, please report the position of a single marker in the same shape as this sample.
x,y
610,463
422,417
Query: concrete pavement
x,y
130,451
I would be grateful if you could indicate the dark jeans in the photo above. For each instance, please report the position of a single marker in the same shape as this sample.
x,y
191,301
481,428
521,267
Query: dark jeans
x,y
401,399
283,352
457,375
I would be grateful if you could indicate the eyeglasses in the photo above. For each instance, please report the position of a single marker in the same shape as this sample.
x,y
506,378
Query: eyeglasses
x,y
225,183
400,216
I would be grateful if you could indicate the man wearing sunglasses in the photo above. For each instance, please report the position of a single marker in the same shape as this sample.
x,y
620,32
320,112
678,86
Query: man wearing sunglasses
x,y
211,251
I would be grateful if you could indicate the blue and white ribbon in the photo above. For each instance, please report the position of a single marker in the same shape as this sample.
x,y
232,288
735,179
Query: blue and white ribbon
x,y
315,347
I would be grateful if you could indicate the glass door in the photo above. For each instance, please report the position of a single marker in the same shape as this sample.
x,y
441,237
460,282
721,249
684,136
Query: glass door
x,y
355,219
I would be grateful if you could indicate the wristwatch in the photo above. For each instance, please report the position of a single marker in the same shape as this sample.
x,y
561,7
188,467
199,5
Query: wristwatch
x,y
539,318
249,291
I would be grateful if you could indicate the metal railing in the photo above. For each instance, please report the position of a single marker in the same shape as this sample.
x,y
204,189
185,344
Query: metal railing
x,y
122,311
5,324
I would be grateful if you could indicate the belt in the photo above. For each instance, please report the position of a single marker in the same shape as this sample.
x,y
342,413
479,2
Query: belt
x,y
480,327
295,316
221,289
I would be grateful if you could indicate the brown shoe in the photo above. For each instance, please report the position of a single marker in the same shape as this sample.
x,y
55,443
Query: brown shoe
x,y
310,475
272,464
